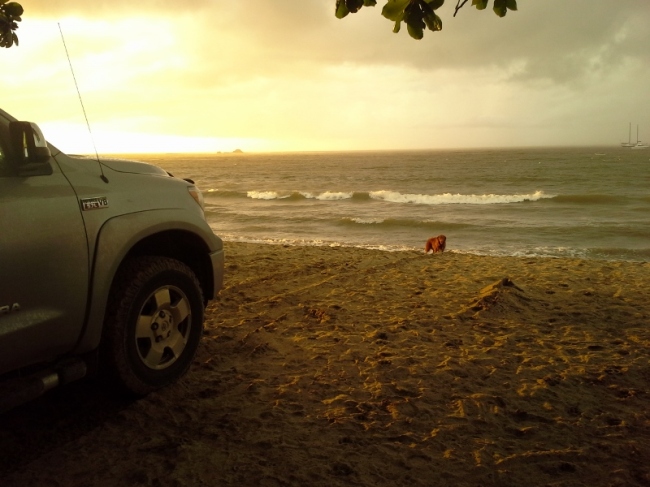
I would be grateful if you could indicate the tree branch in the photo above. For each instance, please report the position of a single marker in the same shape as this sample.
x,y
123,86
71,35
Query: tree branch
x,y
459,6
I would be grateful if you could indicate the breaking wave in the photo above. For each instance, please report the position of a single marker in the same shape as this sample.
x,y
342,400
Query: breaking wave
x,y
300,195
386,196
456,199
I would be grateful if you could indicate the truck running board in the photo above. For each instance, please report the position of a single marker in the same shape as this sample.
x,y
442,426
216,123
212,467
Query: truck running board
x,y
20,390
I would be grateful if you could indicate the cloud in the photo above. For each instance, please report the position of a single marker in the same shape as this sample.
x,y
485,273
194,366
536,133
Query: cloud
x,y
290,73
109,8
555,39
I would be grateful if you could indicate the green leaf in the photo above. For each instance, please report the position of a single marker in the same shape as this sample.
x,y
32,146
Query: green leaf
x,y
419,15
480,4
500,8
435,4
394,9
425,9
13,9
415,31
345,7
354,5
413,16
341,9
433,22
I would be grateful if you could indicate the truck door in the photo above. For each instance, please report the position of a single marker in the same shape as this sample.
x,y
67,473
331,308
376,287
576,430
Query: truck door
x,y
43,264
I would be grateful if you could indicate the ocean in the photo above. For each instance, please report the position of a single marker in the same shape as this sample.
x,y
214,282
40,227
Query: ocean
x,y
588,203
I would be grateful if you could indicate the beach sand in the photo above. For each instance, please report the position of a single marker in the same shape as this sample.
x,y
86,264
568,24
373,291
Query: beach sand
x,y
339,366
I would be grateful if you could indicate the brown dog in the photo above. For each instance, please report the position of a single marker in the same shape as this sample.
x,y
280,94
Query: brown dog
x,y
437,244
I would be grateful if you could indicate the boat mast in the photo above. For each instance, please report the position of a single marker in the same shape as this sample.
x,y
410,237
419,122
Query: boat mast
x,y
629,136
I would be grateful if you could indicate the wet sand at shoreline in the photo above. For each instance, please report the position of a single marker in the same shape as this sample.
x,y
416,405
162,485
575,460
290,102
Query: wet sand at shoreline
x,y
340,366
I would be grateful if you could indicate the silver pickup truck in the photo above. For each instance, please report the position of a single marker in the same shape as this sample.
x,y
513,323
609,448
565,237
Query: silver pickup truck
x,y
104,265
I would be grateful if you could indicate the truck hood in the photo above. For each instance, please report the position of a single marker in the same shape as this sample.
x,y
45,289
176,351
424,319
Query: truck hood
x,y
133,167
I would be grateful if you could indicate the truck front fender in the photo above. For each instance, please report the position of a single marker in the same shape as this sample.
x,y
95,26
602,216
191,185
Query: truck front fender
x,y
121,236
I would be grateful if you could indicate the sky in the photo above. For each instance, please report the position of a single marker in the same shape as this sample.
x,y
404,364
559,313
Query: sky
x,y
286,75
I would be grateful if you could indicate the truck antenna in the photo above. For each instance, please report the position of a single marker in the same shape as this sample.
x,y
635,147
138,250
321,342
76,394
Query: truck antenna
x,y
103,177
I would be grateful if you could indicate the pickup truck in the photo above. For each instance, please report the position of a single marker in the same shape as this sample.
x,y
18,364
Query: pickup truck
x,y
105,266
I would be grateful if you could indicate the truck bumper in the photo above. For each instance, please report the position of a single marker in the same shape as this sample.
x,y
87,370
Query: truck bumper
x,y
217,258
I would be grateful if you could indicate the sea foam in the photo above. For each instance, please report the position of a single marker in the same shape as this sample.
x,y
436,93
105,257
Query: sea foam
x,y
458,199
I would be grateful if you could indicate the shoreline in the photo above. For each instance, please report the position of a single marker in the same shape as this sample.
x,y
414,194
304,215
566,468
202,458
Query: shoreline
x,y
419,249
340,366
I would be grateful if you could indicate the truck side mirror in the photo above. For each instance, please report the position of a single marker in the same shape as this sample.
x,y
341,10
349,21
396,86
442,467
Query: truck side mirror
x,y
29,149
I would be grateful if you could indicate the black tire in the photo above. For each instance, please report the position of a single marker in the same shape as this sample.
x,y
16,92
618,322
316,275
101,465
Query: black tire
x,y
153,325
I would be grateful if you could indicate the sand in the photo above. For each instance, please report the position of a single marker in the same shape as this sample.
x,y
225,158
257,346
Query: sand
x,y
338,366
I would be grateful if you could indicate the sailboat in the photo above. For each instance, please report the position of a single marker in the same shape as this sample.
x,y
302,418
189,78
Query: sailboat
x,y
629,138
639,144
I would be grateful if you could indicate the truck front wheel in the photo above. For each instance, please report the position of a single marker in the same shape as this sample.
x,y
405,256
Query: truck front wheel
x,y
154,323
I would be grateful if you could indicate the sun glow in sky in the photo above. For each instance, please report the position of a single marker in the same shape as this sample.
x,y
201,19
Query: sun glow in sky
x,y
282,75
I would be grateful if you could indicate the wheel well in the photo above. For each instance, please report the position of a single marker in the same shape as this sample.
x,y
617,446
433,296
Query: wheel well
x,y
183,246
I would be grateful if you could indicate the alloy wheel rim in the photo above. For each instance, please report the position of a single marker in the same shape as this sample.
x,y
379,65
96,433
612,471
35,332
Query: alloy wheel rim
x,y
163,327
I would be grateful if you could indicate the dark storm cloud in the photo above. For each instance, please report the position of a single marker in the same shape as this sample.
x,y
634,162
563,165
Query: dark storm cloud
x,y
554,39
557,40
